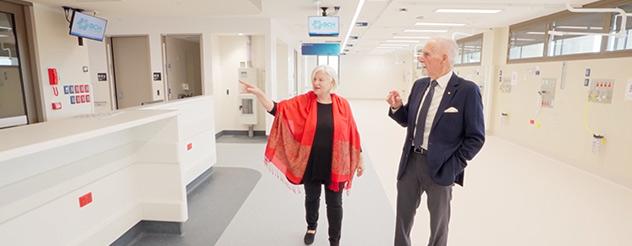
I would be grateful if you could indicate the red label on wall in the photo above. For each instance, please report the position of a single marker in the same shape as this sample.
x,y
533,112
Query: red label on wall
x,y
53,79
85,199
56,105
189,146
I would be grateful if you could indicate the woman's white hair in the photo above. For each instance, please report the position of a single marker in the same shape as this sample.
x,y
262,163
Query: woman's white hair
x,y
327,70
447,45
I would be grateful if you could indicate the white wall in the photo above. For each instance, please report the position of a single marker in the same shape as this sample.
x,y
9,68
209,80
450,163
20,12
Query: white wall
x,y
282,63
56,49
564,132
102,90
210,28
232,51
373,76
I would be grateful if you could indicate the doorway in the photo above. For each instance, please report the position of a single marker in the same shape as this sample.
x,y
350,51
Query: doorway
x,y
18,93
131,67
182,65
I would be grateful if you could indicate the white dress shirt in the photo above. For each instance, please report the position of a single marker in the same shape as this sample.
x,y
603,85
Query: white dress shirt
x,y
442,82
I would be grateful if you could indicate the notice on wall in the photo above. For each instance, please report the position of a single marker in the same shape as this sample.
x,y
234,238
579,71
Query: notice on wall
x,y
628,91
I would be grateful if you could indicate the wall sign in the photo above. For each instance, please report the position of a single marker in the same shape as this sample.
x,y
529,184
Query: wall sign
x,y
157,76
102,77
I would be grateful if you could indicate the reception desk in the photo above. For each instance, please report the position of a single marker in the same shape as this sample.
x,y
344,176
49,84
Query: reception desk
x,y
86,180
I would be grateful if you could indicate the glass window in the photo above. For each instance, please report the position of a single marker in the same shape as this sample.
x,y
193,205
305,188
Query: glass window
x,y
472,51
572,34
459,58
8,48
527,42
621,43
12,100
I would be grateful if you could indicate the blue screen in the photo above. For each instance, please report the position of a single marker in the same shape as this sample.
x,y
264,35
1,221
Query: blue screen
x,y
87,26
320,49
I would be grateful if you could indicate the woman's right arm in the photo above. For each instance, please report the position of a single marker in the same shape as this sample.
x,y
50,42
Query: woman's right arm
x,y
261,97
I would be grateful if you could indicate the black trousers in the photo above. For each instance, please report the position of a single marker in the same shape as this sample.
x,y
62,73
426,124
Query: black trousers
x,y
334,209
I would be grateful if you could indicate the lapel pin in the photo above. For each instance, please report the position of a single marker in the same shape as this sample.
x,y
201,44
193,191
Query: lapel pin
x,y
448,93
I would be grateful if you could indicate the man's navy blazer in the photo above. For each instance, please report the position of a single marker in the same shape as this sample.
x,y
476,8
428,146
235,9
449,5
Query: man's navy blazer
x,y
455,137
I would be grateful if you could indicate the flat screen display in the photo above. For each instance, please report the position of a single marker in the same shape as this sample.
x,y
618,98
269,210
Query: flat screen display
x,y
87,26
320,49
327,26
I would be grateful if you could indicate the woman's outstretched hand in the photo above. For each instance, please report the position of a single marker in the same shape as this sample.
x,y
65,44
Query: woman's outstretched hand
x,y
263,99
250,88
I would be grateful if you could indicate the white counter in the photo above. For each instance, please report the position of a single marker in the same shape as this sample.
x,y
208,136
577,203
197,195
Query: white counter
x,y
135,163
19,141
196,121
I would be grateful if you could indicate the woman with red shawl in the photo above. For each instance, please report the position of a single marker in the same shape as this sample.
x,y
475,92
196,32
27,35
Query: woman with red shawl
x,y
314,141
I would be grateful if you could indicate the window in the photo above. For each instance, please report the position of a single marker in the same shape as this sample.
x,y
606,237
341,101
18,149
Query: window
x,y
566,35
470,50
527,42
621,43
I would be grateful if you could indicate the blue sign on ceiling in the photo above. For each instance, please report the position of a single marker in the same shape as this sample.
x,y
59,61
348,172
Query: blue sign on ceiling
x,y
320,49
323,26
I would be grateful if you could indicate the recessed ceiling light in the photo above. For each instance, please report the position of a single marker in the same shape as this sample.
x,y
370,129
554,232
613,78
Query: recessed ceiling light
x,y
240,34
438,24
432,31
469,11
411,37
401,41
536,33
394,45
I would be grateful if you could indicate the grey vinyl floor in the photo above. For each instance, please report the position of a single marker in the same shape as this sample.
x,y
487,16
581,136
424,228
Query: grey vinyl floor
x,y
243,203
212,206
274,215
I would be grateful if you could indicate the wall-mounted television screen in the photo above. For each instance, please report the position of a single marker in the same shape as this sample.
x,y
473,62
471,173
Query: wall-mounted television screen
x,y
87,26
327,26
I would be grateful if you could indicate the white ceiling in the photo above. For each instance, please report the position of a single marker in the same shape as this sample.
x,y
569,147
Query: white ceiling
x,y
384,16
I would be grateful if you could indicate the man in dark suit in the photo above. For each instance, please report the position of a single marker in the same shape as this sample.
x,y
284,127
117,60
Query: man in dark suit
x,y
445,129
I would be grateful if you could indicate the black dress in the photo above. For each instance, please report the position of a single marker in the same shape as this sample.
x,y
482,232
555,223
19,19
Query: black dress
x,y
319,163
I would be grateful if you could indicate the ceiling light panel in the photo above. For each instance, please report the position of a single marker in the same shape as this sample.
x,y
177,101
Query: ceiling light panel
x,y
411,37
401,41
438,24
426,31
469,11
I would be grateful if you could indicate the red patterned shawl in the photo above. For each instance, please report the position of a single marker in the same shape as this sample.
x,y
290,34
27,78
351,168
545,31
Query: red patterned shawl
x,y
292,135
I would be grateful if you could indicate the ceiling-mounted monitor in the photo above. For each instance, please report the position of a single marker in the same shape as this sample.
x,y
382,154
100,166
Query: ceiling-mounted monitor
x,y
320,49
323,26
87,26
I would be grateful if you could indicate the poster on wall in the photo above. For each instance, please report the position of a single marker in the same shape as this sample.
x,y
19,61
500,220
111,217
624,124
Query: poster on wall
x,y
547,93
628,91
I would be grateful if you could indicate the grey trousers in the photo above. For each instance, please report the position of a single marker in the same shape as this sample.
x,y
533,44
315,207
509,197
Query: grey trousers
x,y
412,184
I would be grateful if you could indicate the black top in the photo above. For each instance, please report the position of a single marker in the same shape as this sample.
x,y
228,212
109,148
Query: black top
x,y
319,162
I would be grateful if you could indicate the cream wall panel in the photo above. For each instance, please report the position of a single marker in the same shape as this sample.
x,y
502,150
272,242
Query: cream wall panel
x,y
565,131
